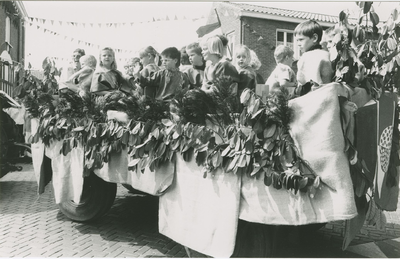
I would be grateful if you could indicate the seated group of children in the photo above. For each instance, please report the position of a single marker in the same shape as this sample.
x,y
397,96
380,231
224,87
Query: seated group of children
x,y
144,75
313,68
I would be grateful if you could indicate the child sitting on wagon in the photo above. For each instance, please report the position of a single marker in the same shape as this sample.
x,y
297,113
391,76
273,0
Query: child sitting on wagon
x,y
163,84
196,72
247,63
314,66
283,76
107,78
80,81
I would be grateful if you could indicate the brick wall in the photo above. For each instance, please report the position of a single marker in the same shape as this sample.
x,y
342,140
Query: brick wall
x,y
260,36
250,30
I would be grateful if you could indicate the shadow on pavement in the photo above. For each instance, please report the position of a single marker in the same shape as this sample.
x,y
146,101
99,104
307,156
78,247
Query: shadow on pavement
x,y
133,220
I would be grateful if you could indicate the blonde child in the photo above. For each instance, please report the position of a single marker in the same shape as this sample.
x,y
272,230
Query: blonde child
x,y
107,78
314,65
81,80
283,75
246,62
163,84
214,50
149,58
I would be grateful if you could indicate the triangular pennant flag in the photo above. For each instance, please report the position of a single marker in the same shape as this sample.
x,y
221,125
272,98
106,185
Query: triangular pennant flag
x,y
176,17
167,19
52,22
60,22
37,20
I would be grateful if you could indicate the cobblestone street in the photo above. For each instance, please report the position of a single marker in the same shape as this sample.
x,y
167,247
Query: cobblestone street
x,y
32,226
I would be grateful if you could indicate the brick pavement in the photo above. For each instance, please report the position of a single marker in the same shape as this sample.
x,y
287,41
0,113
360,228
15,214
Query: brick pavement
x,y
32,226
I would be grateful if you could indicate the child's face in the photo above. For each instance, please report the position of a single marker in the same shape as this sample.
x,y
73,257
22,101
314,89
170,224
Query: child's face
x,y
242,59
169,63
305,43
146,59
204,51
82,61
329,41
194,58
107,58
129,68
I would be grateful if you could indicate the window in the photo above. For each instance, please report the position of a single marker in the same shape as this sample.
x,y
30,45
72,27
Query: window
x,y
286,37
8,30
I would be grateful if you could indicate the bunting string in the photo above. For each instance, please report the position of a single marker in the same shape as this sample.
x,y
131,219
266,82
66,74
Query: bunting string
x,y
72,39
42,21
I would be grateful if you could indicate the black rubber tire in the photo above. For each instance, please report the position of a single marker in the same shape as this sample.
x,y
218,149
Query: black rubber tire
x,y
97,198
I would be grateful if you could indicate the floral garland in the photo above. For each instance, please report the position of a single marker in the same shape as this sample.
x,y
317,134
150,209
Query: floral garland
x,y
258,142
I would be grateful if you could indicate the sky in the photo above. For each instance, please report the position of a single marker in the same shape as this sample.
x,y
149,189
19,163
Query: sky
x,y
59,38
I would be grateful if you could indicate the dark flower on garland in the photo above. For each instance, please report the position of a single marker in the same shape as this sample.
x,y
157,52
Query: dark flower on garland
x,y
118,101
151,109
70,105
227,94
197,106
94,106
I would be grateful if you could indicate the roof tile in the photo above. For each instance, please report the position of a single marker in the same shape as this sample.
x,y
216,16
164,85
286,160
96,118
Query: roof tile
x,y
287,13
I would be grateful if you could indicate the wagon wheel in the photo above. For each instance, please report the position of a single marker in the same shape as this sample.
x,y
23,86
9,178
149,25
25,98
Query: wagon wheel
x,y
97,198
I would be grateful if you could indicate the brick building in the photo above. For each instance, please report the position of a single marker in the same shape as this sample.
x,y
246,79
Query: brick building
x,y
260,28
12,41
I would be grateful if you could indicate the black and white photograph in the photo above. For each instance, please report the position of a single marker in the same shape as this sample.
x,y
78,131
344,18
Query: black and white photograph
x,y
178,129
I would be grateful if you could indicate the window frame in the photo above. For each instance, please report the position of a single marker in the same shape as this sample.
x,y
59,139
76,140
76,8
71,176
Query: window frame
x,y
8,30
296,50
231,44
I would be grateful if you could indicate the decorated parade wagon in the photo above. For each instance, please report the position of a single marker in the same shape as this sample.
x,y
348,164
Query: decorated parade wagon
x,y
331,154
